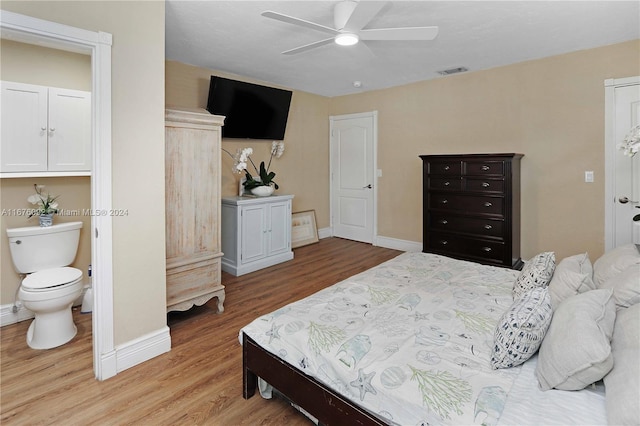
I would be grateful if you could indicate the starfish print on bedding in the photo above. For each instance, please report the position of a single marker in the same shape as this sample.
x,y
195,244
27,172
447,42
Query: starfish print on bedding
x,y
363,382
274,333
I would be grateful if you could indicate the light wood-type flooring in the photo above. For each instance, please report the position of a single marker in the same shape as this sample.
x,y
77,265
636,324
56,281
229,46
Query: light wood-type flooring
x,y
199,382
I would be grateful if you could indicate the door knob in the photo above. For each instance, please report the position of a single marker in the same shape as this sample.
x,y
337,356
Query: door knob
x,y
368,186
625,200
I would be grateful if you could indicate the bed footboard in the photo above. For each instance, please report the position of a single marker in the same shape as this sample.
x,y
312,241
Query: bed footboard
x,y
323,403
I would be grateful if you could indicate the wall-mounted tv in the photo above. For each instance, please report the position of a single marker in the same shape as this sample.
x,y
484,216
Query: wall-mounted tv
x,y
252,111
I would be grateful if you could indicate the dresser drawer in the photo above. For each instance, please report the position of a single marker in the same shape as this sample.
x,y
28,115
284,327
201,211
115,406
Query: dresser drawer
x,y
484,185
444,167
484,168
467,203
466,246
453,183
467,225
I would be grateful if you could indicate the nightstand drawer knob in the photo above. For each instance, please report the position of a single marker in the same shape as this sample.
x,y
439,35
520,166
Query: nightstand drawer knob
x,y
487,227
444,201
447,183
486,249
444,221
444,242
447,167
485,184
485,168
488,204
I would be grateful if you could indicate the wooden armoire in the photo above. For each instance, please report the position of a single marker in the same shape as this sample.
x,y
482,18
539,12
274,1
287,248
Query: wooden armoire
x,y
192,199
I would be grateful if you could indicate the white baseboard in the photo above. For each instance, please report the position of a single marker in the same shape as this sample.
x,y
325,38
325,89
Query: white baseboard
x,y
395,244
142,349
386,242
7,316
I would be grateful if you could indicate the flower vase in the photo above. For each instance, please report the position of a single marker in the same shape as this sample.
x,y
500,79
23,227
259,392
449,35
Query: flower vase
x,y
46,220
262,191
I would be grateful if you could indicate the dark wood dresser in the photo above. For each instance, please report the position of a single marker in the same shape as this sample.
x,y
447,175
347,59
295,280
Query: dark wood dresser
x,y
471,207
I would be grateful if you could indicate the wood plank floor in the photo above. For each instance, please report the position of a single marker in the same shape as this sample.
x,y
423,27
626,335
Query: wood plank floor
x,y
199,382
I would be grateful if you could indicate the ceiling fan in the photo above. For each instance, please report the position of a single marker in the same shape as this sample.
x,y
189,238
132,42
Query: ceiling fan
x,y
350,17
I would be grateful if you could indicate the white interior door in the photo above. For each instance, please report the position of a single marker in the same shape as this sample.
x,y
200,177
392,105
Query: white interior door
x,y
353,185
623,173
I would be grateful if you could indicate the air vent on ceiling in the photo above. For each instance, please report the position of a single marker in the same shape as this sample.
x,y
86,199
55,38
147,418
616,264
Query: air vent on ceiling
x,y
453,71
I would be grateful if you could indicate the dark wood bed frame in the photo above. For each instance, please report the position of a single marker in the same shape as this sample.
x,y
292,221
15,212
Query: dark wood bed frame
x,y
326,405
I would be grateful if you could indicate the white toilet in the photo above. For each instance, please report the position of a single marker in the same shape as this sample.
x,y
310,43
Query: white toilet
x,y
51,286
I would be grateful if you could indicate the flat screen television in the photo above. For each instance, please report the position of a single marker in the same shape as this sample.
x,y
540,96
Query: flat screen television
x,y
252,111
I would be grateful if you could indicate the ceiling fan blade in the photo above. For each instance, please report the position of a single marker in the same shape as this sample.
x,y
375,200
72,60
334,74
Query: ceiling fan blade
x,y
409,33
362,14
297,21
308,46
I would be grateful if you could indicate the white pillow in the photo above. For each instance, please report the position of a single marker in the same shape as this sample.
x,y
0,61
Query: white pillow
x,y
626,286
577,351
537,272
613,262
622,384
573,275
521,329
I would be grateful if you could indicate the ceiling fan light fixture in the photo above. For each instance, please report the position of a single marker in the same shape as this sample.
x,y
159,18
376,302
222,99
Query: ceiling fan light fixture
x,y
346,39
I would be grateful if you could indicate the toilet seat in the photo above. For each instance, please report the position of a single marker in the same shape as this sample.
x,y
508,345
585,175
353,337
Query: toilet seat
x,y
50,279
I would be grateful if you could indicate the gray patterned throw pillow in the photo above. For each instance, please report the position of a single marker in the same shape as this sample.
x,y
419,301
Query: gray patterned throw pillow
x,y
520,331
536,273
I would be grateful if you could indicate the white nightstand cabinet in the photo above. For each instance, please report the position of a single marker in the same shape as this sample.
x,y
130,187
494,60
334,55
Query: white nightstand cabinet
x,y
256,232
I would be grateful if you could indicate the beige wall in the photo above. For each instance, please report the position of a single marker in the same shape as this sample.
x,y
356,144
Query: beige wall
x,y
26,63
137,148
551,110
303,170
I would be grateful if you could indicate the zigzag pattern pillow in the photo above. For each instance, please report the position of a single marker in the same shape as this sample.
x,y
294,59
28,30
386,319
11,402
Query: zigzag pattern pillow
x,y
536,273
520,331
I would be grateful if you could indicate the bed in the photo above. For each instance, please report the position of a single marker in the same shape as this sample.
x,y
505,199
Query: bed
x,y
416,340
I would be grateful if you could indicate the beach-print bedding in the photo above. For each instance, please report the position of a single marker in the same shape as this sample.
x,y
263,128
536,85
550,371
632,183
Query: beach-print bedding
x,y
409,340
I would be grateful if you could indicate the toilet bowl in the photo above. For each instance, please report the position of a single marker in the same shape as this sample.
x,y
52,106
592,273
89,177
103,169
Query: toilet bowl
x,y
50,295
50,286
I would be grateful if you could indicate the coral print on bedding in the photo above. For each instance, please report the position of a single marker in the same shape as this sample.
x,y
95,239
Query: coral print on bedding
x,y
409,340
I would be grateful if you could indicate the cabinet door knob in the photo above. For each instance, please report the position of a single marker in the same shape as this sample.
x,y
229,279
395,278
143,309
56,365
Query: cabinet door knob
x,y
53,129
485,168
486,249
485,184
488,204
487,227
43,128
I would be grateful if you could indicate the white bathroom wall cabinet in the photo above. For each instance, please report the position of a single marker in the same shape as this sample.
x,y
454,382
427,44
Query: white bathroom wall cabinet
x,y
256,232
46,131
192,198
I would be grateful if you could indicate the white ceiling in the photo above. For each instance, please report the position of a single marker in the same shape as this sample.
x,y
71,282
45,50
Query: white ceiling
x,y
233,37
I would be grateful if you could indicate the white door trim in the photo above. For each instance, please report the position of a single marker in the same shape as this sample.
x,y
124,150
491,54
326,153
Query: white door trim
x,y
609,151
374,116
97,44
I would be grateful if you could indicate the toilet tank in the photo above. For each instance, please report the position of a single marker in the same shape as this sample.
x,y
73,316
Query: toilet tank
x,y
36,248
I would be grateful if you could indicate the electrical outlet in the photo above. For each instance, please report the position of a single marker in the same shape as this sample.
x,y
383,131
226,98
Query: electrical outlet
x,y
588,176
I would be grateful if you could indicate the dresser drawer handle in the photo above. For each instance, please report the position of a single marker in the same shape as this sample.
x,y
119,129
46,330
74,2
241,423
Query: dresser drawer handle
x,y
485,168
444,221
485,184
447,167
444,242
447,183
487,204
444,201
487,227
486,249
